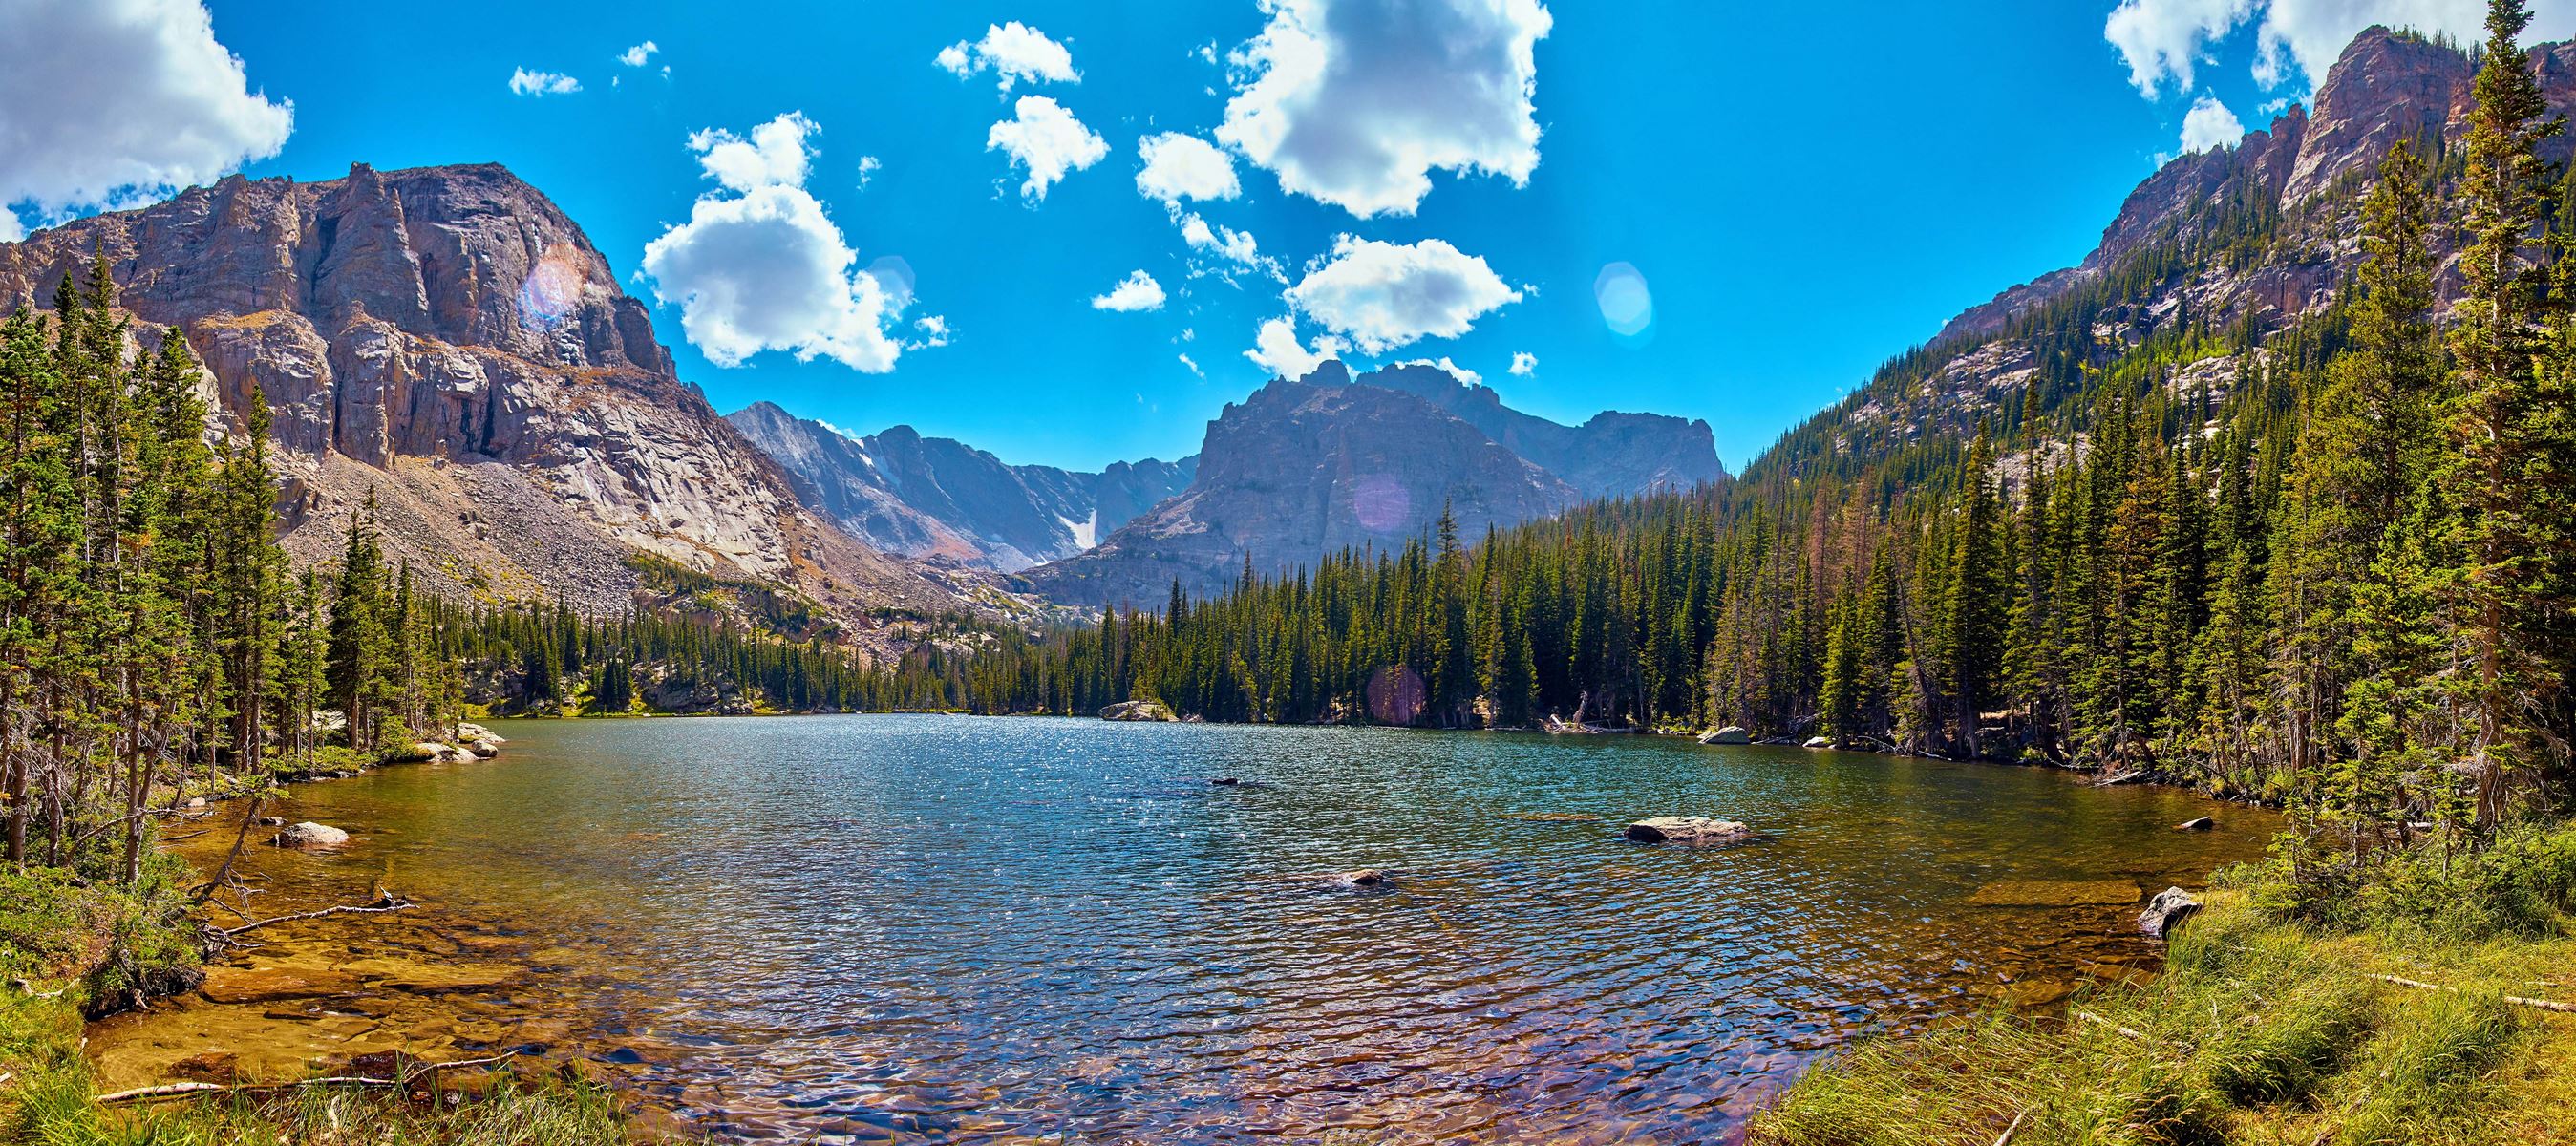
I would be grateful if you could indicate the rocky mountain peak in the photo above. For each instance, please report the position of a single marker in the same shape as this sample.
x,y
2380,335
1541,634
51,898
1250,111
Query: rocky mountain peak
x,y
448,339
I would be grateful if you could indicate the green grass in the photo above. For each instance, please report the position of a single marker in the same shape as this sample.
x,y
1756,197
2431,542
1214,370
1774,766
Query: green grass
x,y
2265,1027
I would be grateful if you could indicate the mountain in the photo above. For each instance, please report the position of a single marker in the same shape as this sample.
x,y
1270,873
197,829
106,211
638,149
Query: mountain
x,y
2248,239
947,502
446,341
1306,467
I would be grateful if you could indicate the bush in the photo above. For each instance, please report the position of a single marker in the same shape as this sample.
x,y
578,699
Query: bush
x,y
2523,884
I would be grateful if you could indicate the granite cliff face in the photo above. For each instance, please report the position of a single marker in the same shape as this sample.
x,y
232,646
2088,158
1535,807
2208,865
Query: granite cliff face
x,y
943,501
448,339
2251,236
1307,467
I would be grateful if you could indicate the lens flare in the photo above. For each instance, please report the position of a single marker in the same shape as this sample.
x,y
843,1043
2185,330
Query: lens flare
x,y
553,288
1396,695
1626,305
1381,503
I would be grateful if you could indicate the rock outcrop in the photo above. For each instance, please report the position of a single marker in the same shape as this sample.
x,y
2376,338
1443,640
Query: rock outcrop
x,y
942,500
1691,831
1330,461
2167,911
1138,711
448,339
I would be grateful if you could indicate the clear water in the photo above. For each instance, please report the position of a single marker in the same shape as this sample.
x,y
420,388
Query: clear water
x,y
949,929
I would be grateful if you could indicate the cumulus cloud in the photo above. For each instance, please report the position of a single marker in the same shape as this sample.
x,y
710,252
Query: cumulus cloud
x,y
1231,249
1524,363
1456,371
11,229
1356,102
529,83
1385,295
1012,52
2210,125
634,57
774,154
868,167
1276,348
1136,292
759,266
1046,141
2163,40
154,104
1181,167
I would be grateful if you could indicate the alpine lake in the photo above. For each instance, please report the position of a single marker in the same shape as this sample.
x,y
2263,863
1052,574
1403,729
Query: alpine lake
x,y
948,929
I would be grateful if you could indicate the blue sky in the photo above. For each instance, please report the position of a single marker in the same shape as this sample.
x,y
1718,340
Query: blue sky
x,y
1803,190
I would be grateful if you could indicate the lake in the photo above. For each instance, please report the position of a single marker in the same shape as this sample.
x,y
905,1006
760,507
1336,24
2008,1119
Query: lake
x,y
954,929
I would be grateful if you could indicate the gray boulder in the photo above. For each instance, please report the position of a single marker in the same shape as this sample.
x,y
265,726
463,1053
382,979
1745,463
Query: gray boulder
x,y
2167,911
1688,830
1820,742
1137,710
311,835
1727,735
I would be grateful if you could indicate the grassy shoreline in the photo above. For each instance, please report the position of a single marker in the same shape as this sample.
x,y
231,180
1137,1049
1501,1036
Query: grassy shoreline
x,y
2276,1021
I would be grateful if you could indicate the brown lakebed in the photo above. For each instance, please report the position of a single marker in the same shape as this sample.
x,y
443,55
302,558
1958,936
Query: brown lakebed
x,y
943,929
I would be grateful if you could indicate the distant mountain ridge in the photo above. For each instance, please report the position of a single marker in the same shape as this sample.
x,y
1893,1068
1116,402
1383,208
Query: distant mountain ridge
x,y
1309,466
943,501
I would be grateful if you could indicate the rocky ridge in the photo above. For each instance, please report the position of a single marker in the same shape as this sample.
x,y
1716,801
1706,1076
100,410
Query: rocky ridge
x,y
943,501
1310,466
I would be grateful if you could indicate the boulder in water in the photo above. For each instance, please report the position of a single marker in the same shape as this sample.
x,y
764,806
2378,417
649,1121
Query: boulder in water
x,y
1730,734
468,730
1137,710
2201,824
311,835
1689,830
483,749
1820,742
2167,911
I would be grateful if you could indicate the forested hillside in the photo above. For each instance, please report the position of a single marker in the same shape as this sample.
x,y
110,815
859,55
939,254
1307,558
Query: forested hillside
x,y
2327,554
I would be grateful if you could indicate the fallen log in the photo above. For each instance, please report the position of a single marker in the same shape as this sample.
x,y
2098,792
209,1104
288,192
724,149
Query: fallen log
x,y
2517,1000
383,903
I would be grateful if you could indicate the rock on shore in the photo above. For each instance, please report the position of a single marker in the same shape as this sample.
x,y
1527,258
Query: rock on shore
x,y
1137,710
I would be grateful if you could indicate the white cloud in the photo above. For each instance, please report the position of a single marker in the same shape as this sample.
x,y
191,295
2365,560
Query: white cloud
x,y
11,228
868,167
2164,40
1275,348
1194,367
113,103
2167,38
634,57
1181,167
1524,363
1136,292
1236,250
759,266
773,155
1013,52
528,83
1355,102
2210,125
1384,295
1456,371
1046,141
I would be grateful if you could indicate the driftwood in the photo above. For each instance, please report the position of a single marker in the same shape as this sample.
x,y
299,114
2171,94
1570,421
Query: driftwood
x,y
2517,1000
2098,1020
384,902
2005,1138
188,1089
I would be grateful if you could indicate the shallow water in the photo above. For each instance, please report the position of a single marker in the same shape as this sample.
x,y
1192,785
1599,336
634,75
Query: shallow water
x,y
949,929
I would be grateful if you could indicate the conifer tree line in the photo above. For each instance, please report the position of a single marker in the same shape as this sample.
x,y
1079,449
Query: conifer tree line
x,y
533,659
153,636
2338,568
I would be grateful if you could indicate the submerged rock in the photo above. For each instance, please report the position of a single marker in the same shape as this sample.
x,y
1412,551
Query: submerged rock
x,y
2055,893
1730,734
1364,877
2167,911
1137,710
1691,830
311,835
272,984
